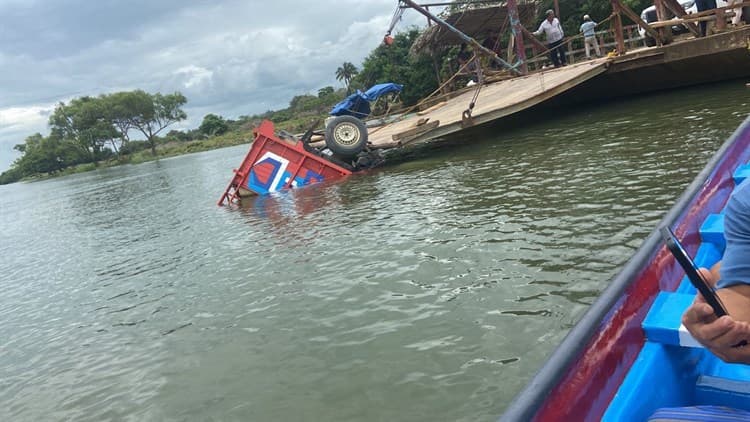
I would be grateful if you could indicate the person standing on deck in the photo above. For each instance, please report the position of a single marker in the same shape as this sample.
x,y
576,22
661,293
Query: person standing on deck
x,y
724,336
589,36
737,18
702,5
554,35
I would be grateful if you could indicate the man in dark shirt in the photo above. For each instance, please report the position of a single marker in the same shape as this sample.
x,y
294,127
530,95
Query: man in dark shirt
x,y
702,5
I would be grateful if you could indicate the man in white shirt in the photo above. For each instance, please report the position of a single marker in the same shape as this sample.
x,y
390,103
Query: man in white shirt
x,y
737,18
554,34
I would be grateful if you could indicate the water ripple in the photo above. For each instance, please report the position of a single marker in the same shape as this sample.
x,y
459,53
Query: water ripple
x,y
431,289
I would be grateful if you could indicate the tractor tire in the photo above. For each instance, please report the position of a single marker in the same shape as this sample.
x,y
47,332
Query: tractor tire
x,y
346,136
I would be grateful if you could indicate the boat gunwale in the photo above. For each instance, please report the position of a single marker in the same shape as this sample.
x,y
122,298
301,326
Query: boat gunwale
x,y
570,354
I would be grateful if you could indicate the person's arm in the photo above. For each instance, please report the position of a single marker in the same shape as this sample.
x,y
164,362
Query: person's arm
x,y
722,336
540,30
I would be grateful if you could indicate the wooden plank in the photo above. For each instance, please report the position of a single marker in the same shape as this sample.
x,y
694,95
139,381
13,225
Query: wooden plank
x,y
637,19
617,23
531,37
415,131
495,101
679,11
721,19
661,14
433,108
677,21
711,11
387,145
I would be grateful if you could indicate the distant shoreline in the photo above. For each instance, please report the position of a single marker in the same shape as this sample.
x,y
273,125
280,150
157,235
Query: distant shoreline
x,y
167,150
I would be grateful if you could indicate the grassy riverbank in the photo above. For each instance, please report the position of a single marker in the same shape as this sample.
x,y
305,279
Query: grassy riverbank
x,y
170,147
165,150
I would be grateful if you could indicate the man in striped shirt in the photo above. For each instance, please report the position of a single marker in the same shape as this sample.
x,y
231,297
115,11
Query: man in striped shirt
x,y
589,36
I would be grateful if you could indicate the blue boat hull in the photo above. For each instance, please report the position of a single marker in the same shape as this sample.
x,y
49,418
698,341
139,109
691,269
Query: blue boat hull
x,y
624,360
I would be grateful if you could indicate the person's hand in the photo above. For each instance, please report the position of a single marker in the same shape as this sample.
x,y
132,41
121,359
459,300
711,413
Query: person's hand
x,y
723,336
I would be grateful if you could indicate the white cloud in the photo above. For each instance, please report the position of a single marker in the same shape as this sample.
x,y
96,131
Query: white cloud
x,y
258,56
15,118
17,123
195,75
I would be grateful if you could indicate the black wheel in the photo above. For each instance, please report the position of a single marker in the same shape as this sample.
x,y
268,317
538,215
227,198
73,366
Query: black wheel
x,y
650,42
346,136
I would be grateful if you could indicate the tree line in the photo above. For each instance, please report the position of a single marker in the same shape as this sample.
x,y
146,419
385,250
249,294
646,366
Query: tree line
x,y
93,129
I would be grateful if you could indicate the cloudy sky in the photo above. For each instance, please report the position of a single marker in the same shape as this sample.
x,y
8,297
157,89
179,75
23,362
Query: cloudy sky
x,y
228,57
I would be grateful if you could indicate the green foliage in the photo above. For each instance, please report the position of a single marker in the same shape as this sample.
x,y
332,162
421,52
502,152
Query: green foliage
x,y
394,64
12,175
572,11
180,136
44,155
302,103
346,72
213,125
325,92
85,124
152,113
92,129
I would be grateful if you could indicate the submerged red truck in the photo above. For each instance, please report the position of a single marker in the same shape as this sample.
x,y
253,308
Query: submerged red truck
x,y
276,163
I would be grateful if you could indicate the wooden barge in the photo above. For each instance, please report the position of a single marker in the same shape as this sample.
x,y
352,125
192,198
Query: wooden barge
x,y
718,57
282,162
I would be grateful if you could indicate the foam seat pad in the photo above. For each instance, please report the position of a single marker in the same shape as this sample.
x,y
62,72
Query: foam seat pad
x,y
699,413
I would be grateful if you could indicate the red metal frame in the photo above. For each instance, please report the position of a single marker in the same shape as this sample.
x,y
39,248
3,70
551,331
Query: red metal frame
x,y
293,160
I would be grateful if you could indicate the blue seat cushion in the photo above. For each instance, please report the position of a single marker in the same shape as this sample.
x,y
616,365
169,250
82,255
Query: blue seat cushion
x,y
699,413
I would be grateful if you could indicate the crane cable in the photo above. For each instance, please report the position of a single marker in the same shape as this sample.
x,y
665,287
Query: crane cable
x,y
397,15
466,115
466,119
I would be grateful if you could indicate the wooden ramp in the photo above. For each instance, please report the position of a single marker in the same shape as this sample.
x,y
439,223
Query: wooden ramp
x,y
495,101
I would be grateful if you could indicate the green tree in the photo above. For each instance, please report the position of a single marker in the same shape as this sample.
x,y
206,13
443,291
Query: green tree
x,y
45,155
84,123
305,104
11,175
120,106
345,73
178,136
213,125
151,117
393,63
325,92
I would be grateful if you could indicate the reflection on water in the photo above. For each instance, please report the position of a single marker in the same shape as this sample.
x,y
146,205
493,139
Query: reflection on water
x,y
430,289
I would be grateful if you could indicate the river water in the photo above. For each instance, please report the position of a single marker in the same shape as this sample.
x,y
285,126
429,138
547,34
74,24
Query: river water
x,y
428,290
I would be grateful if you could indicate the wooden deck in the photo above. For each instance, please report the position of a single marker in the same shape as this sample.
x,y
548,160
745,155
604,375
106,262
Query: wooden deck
x,y
495,100
686,62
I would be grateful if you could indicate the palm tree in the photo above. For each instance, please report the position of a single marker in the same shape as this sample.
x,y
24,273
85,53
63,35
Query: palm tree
x,y
346,72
